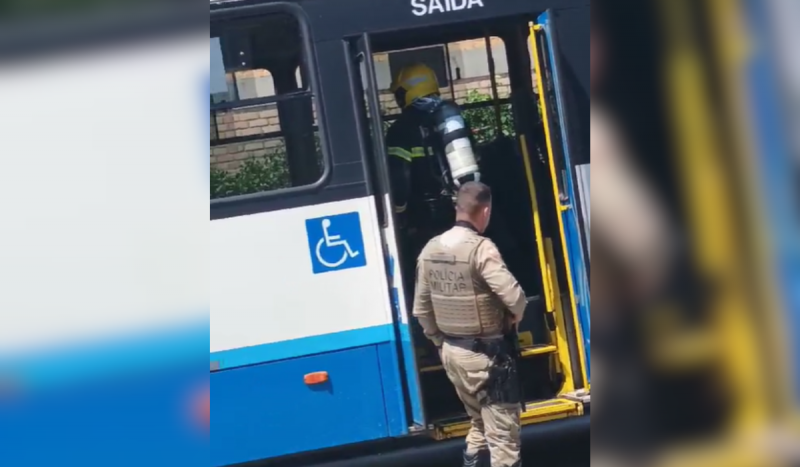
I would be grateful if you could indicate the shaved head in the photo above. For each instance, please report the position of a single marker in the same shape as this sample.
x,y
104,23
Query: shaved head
x,y
473,197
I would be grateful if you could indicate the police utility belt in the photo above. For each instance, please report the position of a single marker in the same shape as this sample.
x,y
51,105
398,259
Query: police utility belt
x,y
504,385
490,346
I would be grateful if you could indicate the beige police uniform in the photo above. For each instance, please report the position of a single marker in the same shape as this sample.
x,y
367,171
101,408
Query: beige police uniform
x,y
463,290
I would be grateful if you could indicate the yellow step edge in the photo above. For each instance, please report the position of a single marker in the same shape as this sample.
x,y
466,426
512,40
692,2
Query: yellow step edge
x,y
535,412
539,350
542,350
686,350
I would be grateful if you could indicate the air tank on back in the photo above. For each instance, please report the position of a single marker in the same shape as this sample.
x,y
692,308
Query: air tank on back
x,y
455,137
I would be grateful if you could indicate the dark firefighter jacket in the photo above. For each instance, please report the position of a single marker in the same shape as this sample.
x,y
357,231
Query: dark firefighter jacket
x,y
417,182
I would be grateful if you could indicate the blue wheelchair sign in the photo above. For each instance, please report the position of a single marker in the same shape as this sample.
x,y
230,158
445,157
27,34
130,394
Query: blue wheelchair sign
x,y
335,243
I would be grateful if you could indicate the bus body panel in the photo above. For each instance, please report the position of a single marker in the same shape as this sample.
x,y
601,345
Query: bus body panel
x,y
575,244
401,310
269,304
363,82
334,19
280,312
778,172
351,407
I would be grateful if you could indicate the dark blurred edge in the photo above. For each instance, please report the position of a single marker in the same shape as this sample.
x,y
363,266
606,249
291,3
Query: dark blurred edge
x,y
40,38
553,443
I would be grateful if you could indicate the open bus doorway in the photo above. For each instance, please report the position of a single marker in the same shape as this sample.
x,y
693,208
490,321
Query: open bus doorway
x,y
486,68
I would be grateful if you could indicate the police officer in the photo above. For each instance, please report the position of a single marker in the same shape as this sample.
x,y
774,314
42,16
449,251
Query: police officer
x,y
465,300
430,152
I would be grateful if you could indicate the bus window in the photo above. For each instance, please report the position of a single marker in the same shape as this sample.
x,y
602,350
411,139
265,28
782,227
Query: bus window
x,y
470,62
464,75
264,135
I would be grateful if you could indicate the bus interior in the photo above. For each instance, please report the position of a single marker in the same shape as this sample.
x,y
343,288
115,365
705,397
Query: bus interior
x,y
504,112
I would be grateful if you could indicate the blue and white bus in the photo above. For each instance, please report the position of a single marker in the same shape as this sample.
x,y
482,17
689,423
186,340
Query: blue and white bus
x,y
312,346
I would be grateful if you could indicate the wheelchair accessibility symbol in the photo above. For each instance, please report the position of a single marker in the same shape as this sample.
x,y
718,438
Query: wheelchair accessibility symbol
x,y
335,242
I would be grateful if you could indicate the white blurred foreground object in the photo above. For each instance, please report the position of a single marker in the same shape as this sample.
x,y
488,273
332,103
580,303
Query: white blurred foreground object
x,y
103,193
626,214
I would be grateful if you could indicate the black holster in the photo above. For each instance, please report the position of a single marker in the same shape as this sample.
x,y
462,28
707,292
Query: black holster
x,y
503,386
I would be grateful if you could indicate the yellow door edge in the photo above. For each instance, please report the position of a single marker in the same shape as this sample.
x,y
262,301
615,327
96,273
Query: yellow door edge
x,y
537,225
735,45
553,177
535,412
711,217
561,335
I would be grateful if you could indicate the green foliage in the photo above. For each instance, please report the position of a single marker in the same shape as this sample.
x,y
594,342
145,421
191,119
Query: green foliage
x,y
483,121
270,171
265,172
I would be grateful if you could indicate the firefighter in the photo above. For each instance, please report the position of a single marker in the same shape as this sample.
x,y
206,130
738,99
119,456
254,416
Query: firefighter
x,y
465,301
430,152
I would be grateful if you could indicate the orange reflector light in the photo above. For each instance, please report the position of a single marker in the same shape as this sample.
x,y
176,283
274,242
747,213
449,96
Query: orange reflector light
x,y
203,407
319,377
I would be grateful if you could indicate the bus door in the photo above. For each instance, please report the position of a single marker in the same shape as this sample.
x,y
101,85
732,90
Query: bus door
x,y
364,83
566,136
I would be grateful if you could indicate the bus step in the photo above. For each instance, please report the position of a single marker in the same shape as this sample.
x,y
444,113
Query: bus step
x,y
583,396
535,412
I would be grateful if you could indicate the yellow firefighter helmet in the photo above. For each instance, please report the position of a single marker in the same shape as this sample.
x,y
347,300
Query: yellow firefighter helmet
x,y
414,81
